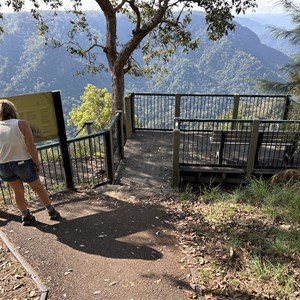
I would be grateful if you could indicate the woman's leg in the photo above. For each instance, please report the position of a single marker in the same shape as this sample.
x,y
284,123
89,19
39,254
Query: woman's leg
x,y
18,189
38,187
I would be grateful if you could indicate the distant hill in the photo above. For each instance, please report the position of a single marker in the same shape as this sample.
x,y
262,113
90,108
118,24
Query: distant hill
x,y
225,66
261,23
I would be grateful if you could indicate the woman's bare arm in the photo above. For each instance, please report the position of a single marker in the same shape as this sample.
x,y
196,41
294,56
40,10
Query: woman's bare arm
x,y
29,141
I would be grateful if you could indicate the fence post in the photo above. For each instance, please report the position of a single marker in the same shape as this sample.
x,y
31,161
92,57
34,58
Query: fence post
x,y
252,147
176,147
128,117
88,125
109,157
63,138
120,133
131,100
235,111
287,107
177,106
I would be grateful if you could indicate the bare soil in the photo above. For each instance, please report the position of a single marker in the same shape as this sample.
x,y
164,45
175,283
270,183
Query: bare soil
x,y
217,271
214,249
15,283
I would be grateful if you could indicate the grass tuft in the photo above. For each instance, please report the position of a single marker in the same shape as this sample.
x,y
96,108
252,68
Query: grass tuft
x,y
248,238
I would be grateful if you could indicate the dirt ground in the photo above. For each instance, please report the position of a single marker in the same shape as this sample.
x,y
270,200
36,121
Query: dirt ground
x,y
153,246
143,256
200,249
143,181
15,282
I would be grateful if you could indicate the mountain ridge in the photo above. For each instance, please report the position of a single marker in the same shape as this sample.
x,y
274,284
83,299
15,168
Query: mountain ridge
x,y
224,66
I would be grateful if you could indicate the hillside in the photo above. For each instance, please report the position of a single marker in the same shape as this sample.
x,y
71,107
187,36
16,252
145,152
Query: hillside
x,y
225,66
261,24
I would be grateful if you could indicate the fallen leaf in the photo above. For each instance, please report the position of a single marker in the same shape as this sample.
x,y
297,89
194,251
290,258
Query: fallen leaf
x,y
231,251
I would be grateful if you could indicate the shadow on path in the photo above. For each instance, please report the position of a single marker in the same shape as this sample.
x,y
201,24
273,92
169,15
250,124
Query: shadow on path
x,y
107,227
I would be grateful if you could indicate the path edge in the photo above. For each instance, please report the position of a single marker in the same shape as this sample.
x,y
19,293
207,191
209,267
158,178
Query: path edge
x,y
43,289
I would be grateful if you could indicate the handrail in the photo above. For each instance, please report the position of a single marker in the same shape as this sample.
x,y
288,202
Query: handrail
x,y
212,95
94,163
271,145
147,111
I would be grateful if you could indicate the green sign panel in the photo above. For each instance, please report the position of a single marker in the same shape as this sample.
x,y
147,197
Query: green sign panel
x,y
38,110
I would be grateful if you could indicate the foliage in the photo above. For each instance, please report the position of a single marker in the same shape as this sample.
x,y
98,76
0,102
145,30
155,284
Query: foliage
x,y
292,86
215,67
159,21
228,115
278,201
239,246
95,107
266,271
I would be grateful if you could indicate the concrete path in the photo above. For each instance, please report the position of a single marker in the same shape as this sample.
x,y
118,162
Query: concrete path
x,y
148,160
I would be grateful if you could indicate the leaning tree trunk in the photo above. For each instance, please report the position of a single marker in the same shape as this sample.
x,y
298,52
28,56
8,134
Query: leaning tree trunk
x,y
118,85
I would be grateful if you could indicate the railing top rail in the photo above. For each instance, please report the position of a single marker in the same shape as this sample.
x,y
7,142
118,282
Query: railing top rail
x,y
264,95
214,95
234,120
280,121
151,94
88,136
212,120
47,146
113,121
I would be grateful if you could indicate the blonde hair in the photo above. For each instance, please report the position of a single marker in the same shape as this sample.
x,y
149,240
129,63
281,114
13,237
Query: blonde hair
x,y
7,110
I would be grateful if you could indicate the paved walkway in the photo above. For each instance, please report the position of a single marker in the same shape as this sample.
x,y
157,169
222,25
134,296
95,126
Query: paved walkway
x,y
114,242
148,160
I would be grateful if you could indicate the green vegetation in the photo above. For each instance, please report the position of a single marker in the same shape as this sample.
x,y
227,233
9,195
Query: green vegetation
x,y
245,239
215,67
278,202
157,30
96,107
292,86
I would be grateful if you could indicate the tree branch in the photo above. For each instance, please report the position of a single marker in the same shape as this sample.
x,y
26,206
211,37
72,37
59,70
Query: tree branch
x,y
111,31
138,16
134,42
118,7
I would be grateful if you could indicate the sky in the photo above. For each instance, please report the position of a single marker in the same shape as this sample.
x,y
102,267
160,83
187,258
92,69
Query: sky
x,y
264,6
271,6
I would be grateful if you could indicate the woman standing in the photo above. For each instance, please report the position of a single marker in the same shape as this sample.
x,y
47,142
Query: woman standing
x,y
19,161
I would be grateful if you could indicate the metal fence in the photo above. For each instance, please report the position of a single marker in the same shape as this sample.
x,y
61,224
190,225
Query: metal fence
x,y
157,111
214,131
246,147
94,159
152,111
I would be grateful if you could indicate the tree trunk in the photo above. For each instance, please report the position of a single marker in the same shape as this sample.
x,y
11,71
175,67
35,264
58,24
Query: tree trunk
x,y
118,86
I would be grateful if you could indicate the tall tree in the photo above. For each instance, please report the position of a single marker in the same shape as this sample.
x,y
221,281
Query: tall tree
x,y
292,70
163,22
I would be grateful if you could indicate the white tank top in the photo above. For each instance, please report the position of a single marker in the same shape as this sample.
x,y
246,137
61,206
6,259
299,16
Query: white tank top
x,y
12,142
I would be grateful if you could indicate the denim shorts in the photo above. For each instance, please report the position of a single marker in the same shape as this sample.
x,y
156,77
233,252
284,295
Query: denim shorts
x,y
15,170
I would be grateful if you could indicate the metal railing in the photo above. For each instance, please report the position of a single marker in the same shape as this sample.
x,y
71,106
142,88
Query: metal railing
x,y
157,111
242,146
94,159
